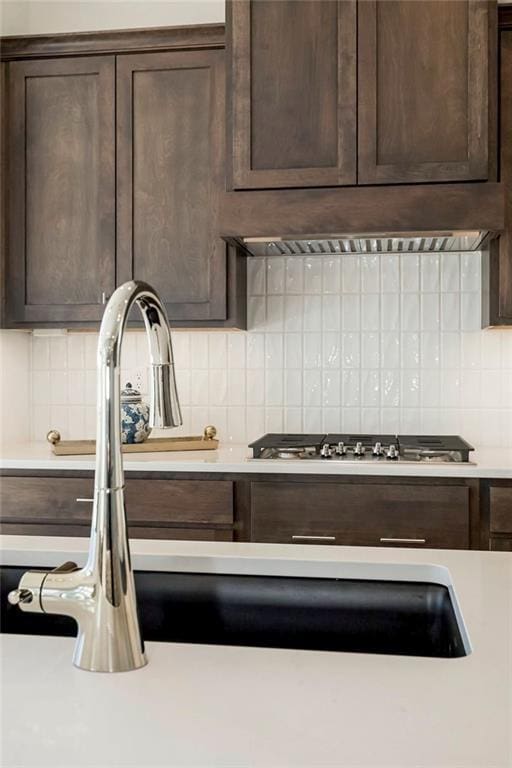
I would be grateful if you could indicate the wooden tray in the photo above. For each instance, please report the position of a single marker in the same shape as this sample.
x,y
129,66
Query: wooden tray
x,y
205,442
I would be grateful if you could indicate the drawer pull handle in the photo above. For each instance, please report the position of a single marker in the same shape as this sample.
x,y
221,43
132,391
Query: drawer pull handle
x,y
392,540
85,501
313,538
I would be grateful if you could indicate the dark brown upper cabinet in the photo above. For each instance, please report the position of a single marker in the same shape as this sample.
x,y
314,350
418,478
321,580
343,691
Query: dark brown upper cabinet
x,y
422,91
293,92
170,173
410,78
61,215
114,166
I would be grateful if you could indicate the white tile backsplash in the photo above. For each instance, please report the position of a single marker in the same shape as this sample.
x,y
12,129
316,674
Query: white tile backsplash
x,y
380,342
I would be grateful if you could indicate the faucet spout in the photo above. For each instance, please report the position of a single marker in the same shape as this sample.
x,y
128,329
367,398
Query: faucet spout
x,y
101,596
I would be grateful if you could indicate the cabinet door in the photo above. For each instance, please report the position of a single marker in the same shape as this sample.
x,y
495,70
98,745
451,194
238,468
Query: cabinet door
x,y
293,89
361,514
422,91
170,172
61,230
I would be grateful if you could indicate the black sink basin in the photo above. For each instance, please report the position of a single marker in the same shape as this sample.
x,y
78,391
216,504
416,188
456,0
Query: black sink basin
x,y
363,616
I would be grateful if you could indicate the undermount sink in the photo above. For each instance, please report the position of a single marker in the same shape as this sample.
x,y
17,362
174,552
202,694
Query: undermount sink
x,y
361,615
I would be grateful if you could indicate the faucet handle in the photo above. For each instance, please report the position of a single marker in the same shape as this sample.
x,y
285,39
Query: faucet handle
x,y
17,596
68,567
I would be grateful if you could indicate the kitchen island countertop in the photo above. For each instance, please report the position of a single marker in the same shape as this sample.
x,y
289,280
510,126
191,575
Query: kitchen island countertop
x,y
231,458
223,706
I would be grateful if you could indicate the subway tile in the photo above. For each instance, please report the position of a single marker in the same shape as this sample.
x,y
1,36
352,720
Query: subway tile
x,y
199,388
450,381
275,275
430,312
256,313
351,312
313,275
274,419
312,388
90,388
90,350
76,422
129,358
59,420
410,422
350,420
312,350
293,350
429,268
410,272
331,313
312,420
217,350
236,350
471,312
41,388
370,420
370,350
370,312
390,388
450,350
450,312
293,420
410,350
471,271
430,350
470,388
182,385
255,381
389,312
450,272
40,422
351,388
40,353
294,311
236,431
256,276
274,354
219,418
370,274
331,354
390,350
199,419
199,358
390,272
255,420
58,387
331,275
351,274
76,387
390,420
58,353
331,388
351,350
491,349
312,313
294,275
181,349
471,350
411,312
273,387
255,350
236,387
331,420
370,388
293,388
275,313
430,389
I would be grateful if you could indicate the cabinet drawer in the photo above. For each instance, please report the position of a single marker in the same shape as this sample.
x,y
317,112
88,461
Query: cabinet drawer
x,y
150,503
500,544
501,509
366,515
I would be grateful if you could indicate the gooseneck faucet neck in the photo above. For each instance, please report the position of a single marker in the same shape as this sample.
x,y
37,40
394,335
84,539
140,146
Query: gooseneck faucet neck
x,y
101,596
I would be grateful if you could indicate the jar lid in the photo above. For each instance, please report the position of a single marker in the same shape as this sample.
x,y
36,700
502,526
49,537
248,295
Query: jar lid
x,y
130,395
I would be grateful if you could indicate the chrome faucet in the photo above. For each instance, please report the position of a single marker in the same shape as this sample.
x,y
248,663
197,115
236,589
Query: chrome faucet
x,y
101,596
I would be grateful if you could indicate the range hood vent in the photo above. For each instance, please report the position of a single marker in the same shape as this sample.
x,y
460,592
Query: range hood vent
x,y
417,242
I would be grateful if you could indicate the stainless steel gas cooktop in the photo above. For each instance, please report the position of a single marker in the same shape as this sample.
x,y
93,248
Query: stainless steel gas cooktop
x,y
431,449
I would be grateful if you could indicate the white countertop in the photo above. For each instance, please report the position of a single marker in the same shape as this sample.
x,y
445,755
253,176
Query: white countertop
x,y
233,458
209,706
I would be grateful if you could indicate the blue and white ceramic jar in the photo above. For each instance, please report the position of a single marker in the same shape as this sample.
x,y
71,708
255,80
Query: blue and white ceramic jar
x,y
134,416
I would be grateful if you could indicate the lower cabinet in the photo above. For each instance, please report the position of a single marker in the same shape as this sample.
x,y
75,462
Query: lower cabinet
x,y
156,509
500,517
363,514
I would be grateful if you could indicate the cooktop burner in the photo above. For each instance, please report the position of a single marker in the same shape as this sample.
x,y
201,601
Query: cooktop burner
x,y
362,447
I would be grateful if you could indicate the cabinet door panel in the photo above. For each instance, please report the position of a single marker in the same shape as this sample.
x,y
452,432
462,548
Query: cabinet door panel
x,y
170,153
365,515
293,81
422,91
61,251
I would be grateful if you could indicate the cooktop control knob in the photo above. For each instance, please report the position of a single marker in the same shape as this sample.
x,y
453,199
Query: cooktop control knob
x,y
377,449
341,449
392,452
325,451
359,449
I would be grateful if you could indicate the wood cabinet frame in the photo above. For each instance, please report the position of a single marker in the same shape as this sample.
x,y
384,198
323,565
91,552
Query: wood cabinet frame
x,y
241,175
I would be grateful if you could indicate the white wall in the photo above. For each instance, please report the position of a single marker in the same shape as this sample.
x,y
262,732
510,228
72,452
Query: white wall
x,y
368,343
15,386
39,17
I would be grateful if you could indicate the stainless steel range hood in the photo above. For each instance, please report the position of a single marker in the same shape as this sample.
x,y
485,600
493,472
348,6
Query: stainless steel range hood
x,y
418,242
419,218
